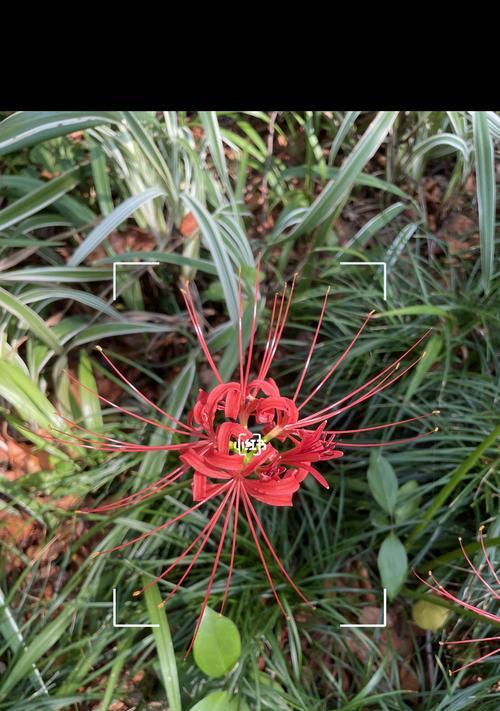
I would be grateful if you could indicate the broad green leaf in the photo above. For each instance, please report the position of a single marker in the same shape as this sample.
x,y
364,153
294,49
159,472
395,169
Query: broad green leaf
x,y
44,640
48,193
26,397
408,501
392,565
220,701
25,128
164,647
112,221
486,194
28,319
383,482
217,646
152,153
337,190
89,404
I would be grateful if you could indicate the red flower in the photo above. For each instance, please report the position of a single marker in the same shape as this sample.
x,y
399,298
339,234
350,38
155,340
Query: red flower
x,y
245,441
492,593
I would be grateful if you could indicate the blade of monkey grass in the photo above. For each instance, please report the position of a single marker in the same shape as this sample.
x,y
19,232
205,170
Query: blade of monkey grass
x,y
457,476
164,646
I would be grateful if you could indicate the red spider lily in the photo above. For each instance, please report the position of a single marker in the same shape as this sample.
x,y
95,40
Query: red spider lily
x,y
245,441
440,590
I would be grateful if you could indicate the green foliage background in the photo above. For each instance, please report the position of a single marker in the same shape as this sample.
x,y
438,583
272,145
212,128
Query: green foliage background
x,y
308,190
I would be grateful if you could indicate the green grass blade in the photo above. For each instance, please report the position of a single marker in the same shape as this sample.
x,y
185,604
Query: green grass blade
x,y
112,221
336,190
455,479
164,646
47,637
486,194
26,128
35,201
214,140
215,244
29,319
101,179
341,134
13,636
82,297
56,274
32,405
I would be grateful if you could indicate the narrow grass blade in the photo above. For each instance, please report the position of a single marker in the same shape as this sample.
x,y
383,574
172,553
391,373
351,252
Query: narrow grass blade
x,y
101,179
35,201
486,194
164,646
214,140
455,479
341,134
112,221
43,293
25,128
43,641
56,274
12,635
32,405
29,319
215,244
336,190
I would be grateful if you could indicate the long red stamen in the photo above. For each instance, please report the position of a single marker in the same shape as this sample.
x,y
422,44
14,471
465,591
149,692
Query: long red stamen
x,y
252,331
442,592
261,554
155,423
140,495
476,571
470,641
191,309
141,394
381,427
216,492
340,444
214,570
311,349
376,377
205,534
380,387
476,661
486,556
233,549
240,340
116,446
337,362
277,338
271,549
271,338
